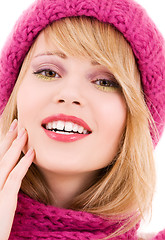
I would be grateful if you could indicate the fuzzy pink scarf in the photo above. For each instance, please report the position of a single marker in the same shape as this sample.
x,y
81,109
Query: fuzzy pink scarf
x,y
35,220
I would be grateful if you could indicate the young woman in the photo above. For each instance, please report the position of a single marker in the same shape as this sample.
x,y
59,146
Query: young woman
x,y
82,106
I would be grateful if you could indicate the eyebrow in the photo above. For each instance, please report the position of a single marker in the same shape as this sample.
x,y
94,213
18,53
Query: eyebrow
x,y
61,55
56,53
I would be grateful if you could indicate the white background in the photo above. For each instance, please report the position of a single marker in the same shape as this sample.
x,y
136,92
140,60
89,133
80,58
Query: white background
x,y
10,11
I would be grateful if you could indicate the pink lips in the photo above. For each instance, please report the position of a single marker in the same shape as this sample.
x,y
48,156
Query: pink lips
x,y
65,137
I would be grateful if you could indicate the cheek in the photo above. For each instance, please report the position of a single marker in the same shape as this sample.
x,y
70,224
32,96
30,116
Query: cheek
x,y
27,104
112,117
22,108
113,114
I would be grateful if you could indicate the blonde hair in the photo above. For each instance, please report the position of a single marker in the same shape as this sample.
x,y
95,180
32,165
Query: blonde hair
x,y
123,190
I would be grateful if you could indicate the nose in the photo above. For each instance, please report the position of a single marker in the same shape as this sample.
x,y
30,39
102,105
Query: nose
x,y
70,93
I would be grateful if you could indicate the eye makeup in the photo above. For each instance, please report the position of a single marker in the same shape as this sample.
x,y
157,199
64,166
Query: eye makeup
x,y
105,81
47,68
107,85
46,74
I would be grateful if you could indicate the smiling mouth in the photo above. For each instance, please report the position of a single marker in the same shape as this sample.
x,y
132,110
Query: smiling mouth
x,y
67,128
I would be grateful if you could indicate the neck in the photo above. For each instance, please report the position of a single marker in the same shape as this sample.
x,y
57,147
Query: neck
x,y
65,187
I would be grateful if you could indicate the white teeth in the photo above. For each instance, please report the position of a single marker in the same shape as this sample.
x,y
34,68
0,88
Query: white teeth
x,y
75,128
60,125
68,126
49,125
54,125
85,131
80,129
66,133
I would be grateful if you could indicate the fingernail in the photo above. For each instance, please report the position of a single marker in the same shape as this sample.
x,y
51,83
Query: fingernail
x,y
13,125
29,152
21,133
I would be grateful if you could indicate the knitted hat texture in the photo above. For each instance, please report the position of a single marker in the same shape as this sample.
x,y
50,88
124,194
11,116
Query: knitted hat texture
x,y
125,15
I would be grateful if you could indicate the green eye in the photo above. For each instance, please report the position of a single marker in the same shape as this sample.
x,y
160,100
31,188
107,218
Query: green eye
x,y
107,85
47,74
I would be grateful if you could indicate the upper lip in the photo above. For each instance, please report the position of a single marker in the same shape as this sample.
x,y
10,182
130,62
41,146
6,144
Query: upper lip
x,y
66,118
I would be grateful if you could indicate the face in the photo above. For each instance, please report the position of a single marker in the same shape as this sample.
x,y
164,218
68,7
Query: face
x,y
72,109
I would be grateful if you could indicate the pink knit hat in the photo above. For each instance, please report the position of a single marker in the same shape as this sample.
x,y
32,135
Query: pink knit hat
x,y
126,15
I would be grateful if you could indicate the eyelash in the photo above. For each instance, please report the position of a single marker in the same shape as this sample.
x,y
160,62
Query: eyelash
x,y
107,85
40,74
104,84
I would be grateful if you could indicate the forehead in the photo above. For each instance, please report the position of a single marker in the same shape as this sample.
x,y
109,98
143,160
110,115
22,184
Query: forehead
x,y
45,47
41,45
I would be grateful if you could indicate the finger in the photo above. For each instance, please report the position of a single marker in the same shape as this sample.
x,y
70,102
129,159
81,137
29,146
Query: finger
x,y
13,182
9,138
11,157
9,194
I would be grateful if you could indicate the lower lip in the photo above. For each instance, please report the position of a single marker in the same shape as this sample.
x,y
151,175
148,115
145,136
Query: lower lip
x,y
63,137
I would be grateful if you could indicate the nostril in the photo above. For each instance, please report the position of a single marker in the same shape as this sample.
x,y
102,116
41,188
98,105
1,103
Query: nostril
x,y
76,102
61,101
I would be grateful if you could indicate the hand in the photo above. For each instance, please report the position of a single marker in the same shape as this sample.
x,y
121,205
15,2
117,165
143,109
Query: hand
x,y
11,175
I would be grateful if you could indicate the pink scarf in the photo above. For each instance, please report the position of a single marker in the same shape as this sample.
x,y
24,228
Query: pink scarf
x,y
35,220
